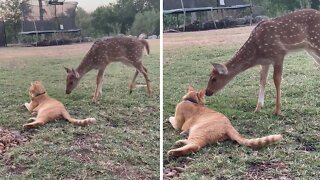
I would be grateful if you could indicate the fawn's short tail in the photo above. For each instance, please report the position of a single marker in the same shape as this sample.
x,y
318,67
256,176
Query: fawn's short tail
x,y
146,45
253,143
80,122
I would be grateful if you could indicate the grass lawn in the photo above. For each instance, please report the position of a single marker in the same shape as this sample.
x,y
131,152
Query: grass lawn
x,y
295,157
124,144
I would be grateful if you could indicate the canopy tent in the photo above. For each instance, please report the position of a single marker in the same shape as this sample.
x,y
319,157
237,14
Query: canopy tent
x,y
189,6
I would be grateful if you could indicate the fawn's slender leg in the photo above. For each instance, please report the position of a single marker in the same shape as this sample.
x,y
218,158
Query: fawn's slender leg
x,y
315,53
147,80
132,84
98,90
263,81
141,69
145,69
277,77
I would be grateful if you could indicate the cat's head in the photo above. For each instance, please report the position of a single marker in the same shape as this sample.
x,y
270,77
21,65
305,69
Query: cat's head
x,y
194,96
36,89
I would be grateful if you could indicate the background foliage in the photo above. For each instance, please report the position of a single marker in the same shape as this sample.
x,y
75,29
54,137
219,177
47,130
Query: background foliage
x,y
110,19
271,8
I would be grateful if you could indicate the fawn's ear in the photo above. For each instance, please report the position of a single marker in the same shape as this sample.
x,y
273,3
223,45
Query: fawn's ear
x,y
190,88
75,73
202,93
221,69
67,69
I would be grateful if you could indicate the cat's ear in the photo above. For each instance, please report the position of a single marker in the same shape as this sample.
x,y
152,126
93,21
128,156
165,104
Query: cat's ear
x,y
202,93
190,88
31,83
38,82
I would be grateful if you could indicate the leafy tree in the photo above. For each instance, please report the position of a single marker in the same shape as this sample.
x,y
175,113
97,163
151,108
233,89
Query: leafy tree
x,y
278,7
10,11
315,4
105,20
119,17
83,21
147,22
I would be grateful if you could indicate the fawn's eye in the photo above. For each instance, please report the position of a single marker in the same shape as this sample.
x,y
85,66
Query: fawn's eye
x,y
213,79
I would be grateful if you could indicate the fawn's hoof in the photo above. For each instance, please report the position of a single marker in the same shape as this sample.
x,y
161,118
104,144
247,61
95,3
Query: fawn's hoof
x,y
258,108
94,100
277,113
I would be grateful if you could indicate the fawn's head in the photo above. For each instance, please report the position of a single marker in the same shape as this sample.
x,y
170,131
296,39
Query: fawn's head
x,y
194,96
36,89
73,79
218,79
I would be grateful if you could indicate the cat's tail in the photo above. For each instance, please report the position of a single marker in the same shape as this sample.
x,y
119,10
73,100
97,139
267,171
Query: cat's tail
x,y
253,143
80,122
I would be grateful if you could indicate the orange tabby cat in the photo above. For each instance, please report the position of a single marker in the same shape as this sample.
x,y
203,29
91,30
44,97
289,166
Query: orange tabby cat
x,y
206,126
48,108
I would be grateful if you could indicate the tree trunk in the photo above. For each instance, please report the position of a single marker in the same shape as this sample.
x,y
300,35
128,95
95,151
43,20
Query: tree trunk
x,y
41,15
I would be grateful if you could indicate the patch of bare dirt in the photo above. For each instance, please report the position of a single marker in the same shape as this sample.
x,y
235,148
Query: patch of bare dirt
x,y
10,139
268,170
124,170
84,146
171,172
12,167
306,147
220,37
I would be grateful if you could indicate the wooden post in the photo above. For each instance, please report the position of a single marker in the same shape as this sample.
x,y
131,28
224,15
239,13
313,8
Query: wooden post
x,y
184,14
251,16
214,22
41,14
178,21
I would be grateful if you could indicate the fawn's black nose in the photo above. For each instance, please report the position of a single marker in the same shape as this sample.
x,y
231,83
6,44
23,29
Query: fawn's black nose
x,y
208,92
68,92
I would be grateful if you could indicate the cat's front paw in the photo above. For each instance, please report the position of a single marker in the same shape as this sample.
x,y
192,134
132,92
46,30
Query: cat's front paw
x,y
27,105
173,122
172,153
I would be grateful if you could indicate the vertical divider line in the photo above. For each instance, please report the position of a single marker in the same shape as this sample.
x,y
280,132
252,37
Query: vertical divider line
x,y
161,89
